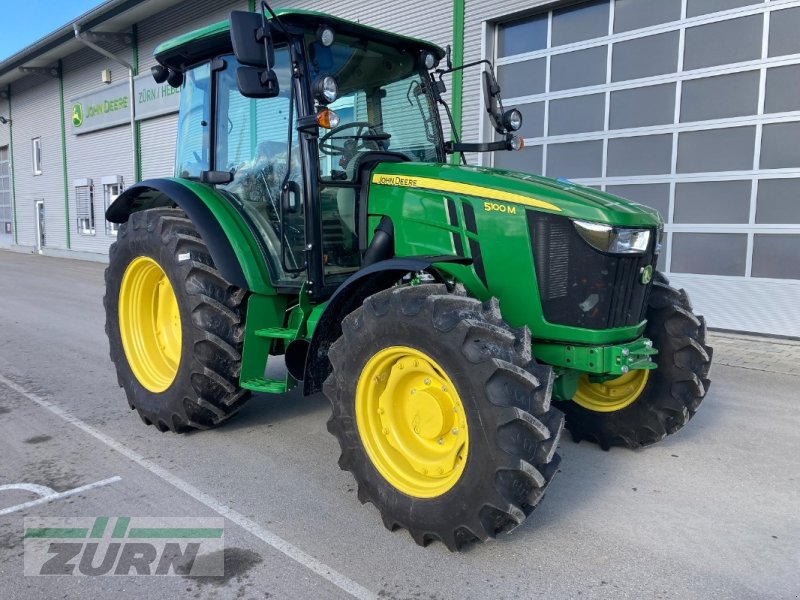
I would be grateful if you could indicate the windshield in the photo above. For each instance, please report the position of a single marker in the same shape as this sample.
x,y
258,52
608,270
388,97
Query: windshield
x,y
382,105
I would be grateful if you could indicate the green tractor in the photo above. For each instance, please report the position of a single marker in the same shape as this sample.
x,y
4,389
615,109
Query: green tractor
x,y
315,214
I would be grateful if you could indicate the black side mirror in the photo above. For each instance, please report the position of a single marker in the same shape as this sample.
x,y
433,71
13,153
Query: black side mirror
x,y
251,37
257,83
252,44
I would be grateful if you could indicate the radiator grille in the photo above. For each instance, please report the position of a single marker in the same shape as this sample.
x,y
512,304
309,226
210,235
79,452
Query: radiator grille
x,y
580,286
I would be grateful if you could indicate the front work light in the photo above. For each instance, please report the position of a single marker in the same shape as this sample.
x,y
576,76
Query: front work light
x,y
326,90
614,240
325,35
512,120
429,60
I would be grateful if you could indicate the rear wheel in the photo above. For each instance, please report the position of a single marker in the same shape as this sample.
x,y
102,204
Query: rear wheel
x,y
175,326
441,414
642,407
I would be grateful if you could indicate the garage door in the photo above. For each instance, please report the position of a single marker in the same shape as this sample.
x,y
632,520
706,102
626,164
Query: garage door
x,y
689,106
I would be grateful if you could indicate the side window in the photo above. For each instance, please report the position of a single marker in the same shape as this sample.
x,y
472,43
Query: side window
x,y
191,157
252,143
36,154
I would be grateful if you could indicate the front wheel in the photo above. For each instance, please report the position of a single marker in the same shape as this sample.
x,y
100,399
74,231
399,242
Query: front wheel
x,y
642,407
441,414
175,327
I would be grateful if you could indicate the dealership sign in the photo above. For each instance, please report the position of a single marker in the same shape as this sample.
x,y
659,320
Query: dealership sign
x,y
111,106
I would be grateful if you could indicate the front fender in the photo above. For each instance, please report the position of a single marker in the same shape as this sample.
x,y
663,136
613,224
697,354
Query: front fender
x,y
230,241
348,297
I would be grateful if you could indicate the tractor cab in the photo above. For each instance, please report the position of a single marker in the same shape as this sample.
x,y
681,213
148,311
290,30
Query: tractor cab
x,y
295,158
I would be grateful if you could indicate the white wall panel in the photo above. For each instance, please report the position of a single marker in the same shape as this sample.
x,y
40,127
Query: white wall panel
x,y
158,146
36,113
99,153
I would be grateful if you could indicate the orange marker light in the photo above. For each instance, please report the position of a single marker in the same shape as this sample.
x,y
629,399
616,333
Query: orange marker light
x,y
327,118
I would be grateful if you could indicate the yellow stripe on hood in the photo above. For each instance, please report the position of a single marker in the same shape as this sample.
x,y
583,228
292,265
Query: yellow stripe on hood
x,y
467,189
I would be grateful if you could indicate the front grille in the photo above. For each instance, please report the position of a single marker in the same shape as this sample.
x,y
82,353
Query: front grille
x,y
581,286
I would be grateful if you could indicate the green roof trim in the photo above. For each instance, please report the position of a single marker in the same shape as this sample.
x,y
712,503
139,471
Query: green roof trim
x,y
303,18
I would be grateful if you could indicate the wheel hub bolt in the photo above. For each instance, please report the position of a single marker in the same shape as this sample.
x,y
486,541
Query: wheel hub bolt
x,y
426,381
413,391
385,431
454,431
444,389
440,441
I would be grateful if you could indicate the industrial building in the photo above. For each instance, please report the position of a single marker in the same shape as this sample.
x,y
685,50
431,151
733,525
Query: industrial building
x,y
689,106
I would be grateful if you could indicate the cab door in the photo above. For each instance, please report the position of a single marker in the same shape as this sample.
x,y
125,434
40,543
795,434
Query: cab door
x,y
251,141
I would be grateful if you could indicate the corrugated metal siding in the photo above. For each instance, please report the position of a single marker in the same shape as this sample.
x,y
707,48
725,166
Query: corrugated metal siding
x,y
6,239
35,102
158,146
4,129
99,153
477,13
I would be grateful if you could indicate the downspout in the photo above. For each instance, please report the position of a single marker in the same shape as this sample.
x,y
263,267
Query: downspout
x,y
458,76
137,132
132,98
64,151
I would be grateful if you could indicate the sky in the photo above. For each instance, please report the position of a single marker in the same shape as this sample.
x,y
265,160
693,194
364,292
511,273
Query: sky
x,y
26,21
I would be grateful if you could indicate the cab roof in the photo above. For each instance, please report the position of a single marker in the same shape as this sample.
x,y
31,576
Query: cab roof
x,y
187,49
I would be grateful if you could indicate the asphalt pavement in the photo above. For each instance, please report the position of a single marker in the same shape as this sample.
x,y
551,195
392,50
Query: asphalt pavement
x,y
711,512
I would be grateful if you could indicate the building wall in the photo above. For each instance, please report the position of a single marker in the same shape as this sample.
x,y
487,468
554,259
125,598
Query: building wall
x,y
6,239
96,154
36,112
687,106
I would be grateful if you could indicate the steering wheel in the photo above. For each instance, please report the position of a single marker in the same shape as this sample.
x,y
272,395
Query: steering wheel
x,y
365,132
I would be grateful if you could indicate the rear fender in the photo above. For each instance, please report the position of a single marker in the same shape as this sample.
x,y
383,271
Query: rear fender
x,y
230,241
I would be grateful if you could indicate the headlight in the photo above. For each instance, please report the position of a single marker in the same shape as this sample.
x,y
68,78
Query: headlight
x,y
615,240
326,90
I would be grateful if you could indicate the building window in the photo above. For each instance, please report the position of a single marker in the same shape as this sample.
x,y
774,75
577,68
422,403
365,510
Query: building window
x,y
112,188
84,206
6,216
37,155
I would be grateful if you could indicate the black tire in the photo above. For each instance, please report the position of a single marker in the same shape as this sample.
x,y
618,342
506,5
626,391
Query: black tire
x,y
674,390
506,396
205,390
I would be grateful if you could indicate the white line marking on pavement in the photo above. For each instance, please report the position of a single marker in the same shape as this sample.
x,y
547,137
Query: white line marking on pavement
x,y
35,488
341,581
58,495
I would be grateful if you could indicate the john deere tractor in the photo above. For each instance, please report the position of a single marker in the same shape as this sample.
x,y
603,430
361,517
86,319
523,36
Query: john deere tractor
x,y
453,315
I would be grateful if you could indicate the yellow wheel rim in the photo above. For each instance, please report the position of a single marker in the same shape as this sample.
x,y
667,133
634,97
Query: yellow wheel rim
x,y
150,324
411,422
611,395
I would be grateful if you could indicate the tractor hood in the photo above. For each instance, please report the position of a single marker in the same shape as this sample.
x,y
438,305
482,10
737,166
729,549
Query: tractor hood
x,y
513,187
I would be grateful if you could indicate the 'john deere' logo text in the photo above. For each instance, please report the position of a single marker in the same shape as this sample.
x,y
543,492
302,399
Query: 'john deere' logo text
x,y
77,115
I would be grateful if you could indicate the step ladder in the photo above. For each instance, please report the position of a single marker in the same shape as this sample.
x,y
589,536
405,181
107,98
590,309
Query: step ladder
x,y
270,386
